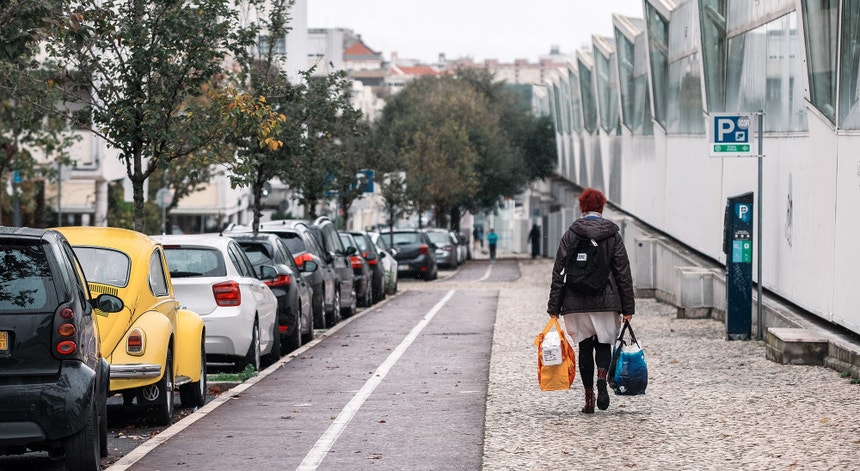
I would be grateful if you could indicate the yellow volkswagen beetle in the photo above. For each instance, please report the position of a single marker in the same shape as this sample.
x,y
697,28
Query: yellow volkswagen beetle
x,y
153,346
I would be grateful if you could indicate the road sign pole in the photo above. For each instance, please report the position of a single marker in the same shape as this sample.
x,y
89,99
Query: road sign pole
x,y
759,223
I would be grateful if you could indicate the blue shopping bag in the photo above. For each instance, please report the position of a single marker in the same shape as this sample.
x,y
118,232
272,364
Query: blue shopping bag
x,y
628,372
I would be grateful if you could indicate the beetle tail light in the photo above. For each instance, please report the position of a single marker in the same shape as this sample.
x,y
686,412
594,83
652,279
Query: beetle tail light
x,y
227,293
135,342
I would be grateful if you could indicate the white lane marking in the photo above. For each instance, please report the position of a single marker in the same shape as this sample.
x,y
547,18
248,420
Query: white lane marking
x,y
487,274
323,445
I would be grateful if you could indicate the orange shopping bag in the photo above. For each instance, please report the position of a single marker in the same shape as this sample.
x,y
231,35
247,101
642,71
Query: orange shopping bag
x,y
556,361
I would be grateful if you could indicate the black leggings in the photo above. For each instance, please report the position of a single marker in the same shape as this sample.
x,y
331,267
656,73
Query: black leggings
x,y
589,349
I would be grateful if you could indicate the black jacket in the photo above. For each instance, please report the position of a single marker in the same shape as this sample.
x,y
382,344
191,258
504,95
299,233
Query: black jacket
x,y
618,295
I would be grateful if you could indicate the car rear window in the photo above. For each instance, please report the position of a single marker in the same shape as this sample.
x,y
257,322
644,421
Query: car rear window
x,y
406,238
361,242
439,238
25,278
194,262
258,254
295,243
104,265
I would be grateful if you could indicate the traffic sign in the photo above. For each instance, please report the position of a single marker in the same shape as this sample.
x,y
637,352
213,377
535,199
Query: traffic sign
x,y
731,135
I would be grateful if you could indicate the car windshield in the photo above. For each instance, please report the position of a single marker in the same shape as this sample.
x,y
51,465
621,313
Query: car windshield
x,y
104,265
23,278
406,238
193,262
258,254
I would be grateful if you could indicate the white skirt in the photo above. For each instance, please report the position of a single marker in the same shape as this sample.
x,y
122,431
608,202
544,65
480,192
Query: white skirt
x,y
582,325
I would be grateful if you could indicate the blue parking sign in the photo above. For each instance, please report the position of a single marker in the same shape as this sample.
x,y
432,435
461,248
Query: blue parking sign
x,y
731,135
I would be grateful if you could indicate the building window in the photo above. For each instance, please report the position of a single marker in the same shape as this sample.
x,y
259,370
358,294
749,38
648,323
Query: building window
x,y
606,92
589,109
712,19
575,101
849,94
684,109
658,48
820,25
764,73
624,54
643,123
279,49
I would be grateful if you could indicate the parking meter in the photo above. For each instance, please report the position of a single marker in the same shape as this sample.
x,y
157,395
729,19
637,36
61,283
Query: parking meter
x,y
738,247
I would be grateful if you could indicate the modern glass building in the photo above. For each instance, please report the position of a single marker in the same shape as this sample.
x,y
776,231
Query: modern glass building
x,y
633,114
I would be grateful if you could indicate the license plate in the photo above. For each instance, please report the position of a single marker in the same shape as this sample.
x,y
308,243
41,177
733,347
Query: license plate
x,y
402,267
4,341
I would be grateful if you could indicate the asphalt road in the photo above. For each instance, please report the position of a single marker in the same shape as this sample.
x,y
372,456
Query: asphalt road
x,y
405,380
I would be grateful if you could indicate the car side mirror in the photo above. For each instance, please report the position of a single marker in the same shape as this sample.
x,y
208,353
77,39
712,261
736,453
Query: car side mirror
x,y
381,255
309,266
268,272
108,303
370,256
350,250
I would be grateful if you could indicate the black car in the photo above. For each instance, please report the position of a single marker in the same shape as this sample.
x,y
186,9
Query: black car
x,y
416,254
53,380
326,233
361,270
294,292
373,256
304,247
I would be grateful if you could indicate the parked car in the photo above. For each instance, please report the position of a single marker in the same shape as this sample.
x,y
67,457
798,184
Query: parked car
x,y
389,263
464,249
213,276
446,247
416,253
361,270
305,248
373,256
53,379
326,232
290,287
153,345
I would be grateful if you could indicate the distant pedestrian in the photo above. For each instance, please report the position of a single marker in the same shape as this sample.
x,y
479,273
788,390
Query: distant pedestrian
x,y
492,239
593,320
478,237
534,238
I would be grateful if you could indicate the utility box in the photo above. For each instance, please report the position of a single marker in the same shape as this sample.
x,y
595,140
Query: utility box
x,y
738,247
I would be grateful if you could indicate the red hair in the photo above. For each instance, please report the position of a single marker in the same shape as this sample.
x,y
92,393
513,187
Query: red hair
x,y
591,200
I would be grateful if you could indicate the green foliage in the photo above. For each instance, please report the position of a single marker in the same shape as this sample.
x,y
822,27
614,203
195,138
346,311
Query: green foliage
x,y
133,65
244,375
464,142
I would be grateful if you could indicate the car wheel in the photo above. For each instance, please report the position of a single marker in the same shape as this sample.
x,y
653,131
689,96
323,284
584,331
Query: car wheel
x,y
253,356
334,317
161,393
294,337
310,335
194,394
275,354
83,448
103,428
319,309
353,305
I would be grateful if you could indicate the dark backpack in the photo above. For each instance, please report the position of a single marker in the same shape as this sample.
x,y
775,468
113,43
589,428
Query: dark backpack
x,y
587,268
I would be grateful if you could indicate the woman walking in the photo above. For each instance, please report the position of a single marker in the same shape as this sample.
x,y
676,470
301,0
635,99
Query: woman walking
x,y
592,319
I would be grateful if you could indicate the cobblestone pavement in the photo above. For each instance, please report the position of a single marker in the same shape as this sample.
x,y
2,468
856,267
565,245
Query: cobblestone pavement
x,y
710,403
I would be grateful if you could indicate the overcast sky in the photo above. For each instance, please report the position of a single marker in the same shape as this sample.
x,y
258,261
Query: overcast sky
x,y
480,29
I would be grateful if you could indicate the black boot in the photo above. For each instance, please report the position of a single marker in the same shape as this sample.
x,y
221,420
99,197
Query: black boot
x,y
588,408
602,394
